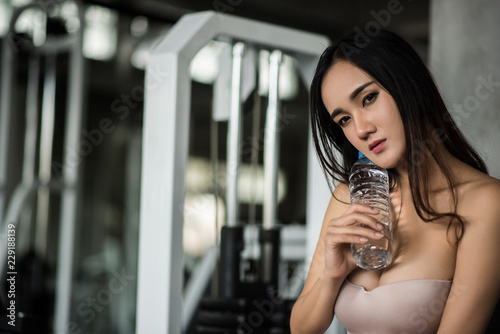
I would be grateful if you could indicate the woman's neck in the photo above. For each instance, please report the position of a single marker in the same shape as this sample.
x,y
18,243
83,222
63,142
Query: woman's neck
x,y
436,178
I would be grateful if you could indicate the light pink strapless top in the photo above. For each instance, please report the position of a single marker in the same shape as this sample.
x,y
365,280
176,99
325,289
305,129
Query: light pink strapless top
x,y
404,307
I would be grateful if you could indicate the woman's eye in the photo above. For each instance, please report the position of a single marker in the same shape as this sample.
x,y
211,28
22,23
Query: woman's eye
x,y
369,98
343,120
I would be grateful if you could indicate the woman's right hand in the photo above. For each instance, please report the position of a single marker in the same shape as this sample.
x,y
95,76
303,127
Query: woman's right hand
x,y
354,226
332,261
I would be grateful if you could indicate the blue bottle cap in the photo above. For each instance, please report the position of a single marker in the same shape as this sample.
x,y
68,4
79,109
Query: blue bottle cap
x,y
361,155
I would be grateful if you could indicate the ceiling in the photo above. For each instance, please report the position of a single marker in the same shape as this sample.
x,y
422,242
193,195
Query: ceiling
x,y
406,17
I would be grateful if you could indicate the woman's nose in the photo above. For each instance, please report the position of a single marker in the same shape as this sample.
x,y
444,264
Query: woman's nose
x,y
364,125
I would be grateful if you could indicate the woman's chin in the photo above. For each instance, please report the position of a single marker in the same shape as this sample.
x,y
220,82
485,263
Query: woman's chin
x,y
390,160
391,164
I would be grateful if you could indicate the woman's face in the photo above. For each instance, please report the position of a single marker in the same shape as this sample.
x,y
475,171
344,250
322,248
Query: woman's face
x,y
366,112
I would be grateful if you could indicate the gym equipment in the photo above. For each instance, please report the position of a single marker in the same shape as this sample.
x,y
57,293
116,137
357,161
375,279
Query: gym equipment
x,y
39,185
166,125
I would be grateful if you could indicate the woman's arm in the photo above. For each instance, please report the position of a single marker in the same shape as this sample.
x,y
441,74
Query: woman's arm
x,y
476,283
331,263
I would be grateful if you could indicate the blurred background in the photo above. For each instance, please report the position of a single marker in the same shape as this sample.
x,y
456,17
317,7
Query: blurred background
x,y
50,93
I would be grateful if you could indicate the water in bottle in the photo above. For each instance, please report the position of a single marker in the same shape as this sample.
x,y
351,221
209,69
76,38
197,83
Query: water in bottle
x,y
369,185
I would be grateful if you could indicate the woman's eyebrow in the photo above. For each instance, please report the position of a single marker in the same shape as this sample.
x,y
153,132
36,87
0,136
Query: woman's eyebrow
x,y
353,95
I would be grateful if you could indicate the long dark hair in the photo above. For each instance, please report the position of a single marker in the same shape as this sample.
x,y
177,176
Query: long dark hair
x,y
396,66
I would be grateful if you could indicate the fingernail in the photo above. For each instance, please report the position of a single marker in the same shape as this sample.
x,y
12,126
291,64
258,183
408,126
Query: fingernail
x,y
378,234
363,239
380,226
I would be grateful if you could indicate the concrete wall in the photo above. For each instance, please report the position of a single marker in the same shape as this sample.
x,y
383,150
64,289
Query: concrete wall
x,y
465,59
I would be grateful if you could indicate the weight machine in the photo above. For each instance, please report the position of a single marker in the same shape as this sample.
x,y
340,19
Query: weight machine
x,y
165,148
39,181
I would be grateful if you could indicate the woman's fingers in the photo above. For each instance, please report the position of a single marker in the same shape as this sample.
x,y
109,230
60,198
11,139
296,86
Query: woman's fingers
x,y
354,234
356,226
340,239
357,207
357,218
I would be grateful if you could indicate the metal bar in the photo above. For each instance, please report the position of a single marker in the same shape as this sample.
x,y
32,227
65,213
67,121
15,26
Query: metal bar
x,y
30,151
270,250
31,130
196,286
131,228
46,143
20,196
71,179
8,66
164,161
271,143
7,80
234,138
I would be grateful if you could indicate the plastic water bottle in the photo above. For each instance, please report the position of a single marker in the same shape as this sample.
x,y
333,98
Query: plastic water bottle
x,y
369,185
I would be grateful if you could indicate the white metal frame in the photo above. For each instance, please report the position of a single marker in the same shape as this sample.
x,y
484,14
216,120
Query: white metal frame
x,y
165,150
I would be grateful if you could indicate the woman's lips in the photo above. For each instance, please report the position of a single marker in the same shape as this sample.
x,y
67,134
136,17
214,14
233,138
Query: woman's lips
x,y
377,146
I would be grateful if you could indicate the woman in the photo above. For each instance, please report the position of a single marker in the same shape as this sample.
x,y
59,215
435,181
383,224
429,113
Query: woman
x,y
379,98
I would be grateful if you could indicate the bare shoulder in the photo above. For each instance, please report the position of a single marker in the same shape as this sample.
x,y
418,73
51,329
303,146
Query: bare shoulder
x,y
339,202
341,193
480,199
477,267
